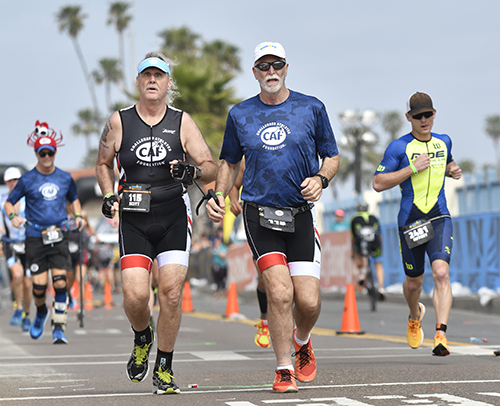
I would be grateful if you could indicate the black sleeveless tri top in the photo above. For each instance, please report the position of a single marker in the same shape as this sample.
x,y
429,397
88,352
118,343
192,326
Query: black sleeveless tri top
x,y
146,151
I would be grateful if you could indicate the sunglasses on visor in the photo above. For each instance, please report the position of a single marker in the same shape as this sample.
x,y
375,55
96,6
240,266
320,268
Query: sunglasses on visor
x,y
265,66
419,116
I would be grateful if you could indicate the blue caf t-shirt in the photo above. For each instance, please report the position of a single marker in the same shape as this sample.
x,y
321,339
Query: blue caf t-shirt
x,y
46,197
281,144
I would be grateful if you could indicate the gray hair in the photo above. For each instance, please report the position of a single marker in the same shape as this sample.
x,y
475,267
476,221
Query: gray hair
x,y
173,92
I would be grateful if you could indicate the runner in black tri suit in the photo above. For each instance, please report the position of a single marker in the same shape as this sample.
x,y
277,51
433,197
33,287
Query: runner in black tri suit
x,y
150,142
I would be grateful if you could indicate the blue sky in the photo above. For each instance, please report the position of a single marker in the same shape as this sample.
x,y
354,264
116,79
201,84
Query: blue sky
x,y
356,54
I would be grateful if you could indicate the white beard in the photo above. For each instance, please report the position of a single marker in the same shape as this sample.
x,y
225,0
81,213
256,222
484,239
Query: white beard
x,y
272,89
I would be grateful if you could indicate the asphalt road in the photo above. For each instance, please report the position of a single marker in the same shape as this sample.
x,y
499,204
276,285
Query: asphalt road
x,y
218,356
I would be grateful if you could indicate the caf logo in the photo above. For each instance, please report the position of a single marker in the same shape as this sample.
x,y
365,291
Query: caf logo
x,y
151,151
49,191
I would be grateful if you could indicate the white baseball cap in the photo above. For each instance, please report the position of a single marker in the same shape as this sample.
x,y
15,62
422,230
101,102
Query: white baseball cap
x,y
268,48
11,173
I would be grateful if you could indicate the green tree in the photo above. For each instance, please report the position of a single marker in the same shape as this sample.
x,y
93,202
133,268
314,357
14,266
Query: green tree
x,y
118,17
226,55
108,74
493,131
392,122
89,124
202,76
179,41
70,20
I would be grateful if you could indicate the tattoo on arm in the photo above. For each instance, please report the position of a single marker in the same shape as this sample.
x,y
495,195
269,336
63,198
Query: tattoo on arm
x,y
105,132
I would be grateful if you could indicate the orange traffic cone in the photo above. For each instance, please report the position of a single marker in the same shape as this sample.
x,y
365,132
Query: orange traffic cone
x,y
75,290
350,319
187,303
232,308
51,291
107,300
88,297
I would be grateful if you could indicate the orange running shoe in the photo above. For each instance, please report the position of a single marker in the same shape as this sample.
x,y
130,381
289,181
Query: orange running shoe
x,y
440,345
414,333
262,338
285,381
305,361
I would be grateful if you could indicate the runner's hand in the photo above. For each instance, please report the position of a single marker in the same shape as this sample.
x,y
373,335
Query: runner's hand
x,y
109,206
183,172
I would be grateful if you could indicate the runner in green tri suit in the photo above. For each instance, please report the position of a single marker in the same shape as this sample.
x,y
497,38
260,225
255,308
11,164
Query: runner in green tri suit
x,y
419,162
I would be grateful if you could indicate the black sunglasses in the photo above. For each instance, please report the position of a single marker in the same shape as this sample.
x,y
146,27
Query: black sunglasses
x,y
265,66
419,116
43,154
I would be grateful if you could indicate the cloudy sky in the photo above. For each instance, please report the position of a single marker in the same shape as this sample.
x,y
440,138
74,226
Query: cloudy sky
x,y
357,54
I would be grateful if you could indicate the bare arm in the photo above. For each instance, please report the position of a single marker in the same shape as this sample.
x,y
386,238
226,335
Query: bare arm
x,y
226,176
76,208
453,170
312,188
195,146
234,194
109,144
16,220
384,181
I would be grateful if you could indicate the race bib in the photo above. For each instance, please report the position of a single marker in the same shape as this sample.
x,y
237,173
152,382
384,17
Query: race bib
x,y
136,197
51,235
418,232
277,218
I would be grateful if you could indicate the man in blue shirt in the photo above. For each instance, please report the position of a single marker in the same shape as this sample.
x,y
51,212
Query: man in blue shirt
x,y
46,190
281,133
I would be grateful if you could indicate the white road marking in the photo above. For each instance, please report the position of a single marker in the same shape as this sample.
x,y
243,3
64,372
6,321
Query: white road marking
x,y
218,356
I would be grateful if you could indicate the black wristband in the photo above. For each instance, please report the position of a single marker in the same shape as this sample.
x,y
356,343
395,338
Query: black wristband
x,y
324,180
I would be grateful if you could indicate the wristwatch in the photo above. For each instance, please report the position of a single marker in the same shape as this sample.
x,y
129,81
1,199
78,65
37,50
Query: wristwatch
x,y
324,180
198,173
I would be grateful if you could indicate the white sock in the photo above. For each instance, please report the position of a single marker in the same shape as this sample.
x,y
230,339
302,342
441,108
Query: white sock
x,y
290,367
300,342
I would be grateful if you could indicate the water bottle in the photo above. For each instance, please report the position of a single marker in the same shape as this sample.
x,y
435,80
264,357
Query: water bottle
x,y
478,340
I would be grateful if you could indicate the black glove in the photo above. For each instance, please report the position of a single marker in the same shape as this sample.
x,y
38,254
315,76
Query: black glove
x,y
184,172
107,204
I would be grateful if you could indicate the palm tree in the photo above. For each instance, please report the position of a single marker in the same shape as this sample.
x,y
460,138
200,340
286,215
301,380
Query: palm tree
x,y
392,123
179,41
89,124
225,54
369,160
202,76
109,73
119,18
70,20
204,92
493,131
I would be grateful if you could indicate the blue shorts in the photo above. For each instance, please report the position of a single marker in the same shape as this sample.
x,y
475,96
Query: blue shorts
x,y
438,248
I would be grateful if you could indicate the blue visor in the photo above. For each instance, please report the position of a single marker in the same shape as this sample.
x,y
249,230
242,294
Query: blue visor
x,y
153,63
